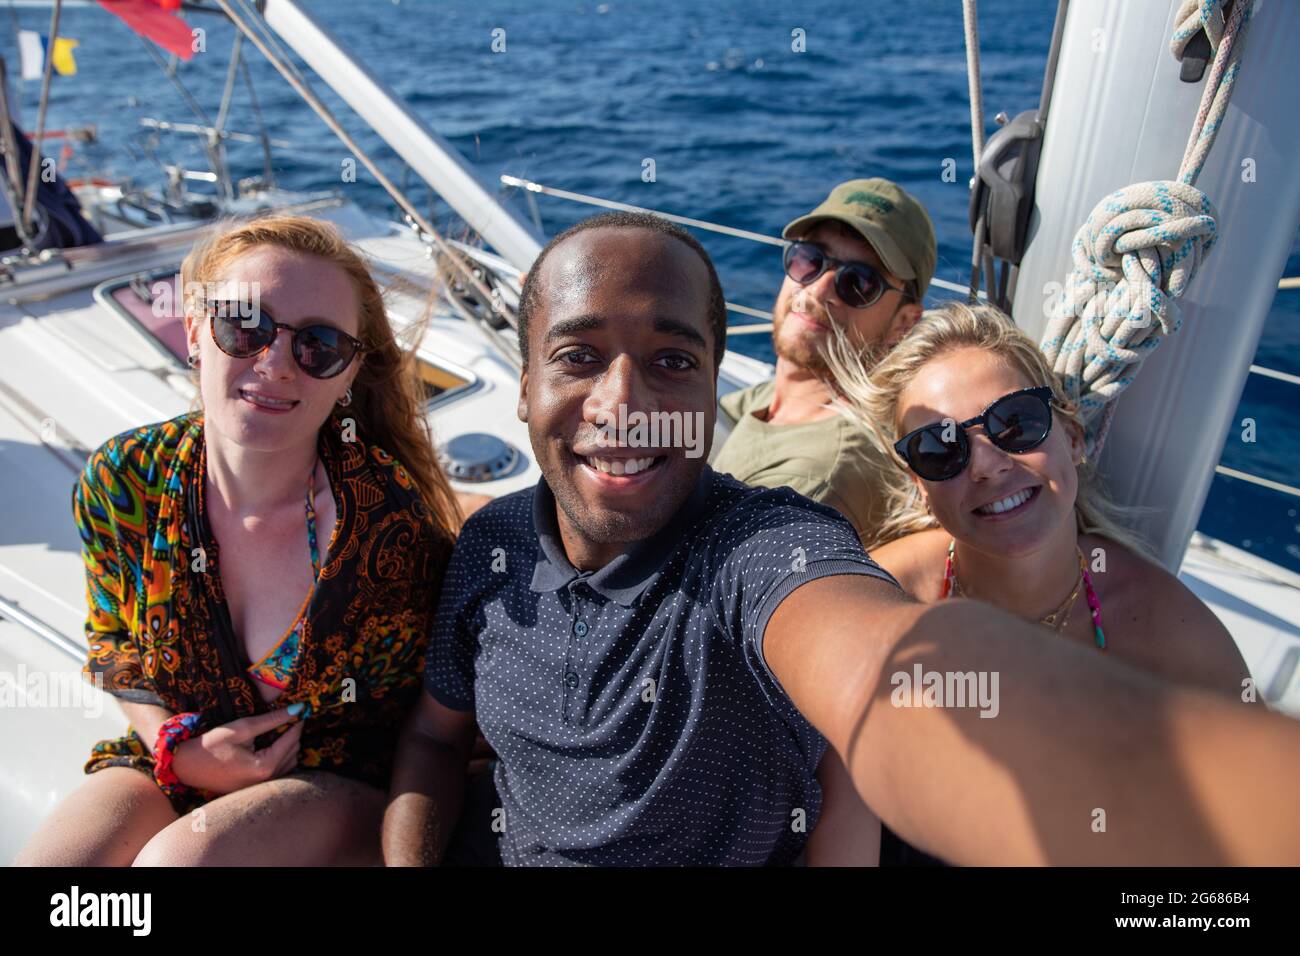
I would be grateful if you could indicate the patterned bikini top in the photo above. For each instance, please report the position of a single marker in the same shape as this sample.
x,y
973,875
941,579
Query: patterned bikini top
x,y
275,665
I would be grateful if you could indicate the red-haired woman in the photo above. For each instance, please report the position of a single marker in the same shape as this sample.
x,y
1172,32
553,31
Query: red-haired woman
x,y
261,573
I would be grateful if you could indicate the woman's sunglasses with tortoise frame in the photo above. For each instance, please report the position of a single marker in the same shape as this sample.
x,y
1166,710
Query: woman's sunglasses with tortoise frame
x,y
242,330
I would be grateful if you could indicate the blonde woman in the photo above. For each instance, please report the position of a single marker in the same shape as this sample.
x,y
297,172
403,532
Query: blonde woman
x,y
994,499
261,573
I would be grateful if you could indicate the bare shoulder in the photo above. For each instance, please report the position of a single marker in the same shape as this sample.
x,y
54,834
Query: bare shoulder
x,y
1154,621
916,562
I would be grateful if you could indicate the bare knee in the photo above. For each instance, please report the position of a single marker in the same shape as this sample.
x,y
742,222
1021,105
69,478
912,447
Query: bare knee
x,y
303,819
103,822
38,852
179,844
60,847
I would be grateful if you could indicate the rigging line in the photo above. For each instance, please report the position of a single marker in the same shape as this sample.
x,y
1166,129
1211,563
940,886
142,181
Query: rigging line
x,y
284,61
10,610
1053,56
1011,285
977,247
1008,294
268,172
223,112
506,348
29,200
13,176
990,283
979,243
263,36
532,187
227,94
176,82
257,21
304,90
971,23
1256,480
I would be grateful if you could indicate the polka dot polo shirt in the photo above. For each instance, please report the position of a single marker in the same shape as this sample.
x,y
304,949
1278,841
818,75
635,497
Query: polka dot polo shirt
x,y
634,716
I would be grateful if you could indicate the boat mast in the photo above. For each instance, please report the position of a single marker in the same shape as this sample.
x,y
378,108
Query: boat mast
x,y
1119,115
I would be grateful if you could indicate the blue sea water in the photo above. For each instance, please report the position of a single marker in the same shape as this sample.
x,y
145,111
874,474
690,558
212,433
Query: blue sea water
x,y
742,130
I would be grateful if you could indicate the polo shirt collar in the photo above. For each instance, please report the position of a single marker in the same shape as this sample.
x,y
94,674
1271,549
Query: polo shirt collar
x,y
625,578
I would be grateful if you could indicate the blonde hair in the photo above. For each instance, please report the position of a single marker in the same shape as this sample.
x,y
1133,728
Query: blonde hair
x,y
387,393
870,397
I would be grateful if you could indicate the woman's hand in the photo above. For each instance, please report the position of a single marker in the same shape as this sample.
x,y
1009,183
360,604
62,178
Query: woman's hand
x,y
223,760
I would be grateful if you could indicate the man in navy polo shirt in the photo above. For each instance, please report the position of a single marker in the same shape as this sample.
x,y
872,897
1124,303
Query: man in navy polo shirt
x,y
660,655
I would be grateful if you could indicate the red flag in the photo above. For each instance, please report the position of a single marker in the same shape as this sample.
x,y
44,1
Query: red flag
x,y
154,20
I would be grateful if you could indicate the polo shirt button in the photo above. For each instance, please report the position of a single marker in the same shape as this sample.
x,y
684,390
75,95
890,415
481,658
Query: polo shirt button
x,y
580,628
571,680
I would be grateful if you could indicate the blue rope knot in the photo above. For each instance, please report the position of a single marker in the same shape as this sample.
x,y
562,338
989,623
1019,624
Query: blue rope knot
x,y
1142,245
1133,258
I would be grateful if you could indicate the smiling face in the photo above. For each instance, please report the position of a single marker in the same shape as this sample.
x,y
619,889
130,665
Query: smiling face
x,y
803,313
239,394
959,385
622,328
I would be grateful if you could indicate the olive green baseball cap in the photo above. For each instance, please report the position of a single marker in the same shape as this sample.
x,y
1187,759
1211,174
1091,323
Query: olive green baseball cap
x,y
888,218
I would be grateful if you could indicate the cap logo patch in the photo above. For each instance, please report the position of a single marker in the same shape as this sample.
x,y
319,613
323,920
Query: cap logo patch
x,y
879,203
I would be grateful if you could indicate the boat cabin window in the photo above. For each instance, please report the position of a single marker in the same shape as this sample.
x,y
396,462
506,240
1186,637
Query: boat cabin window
x,y
439,381
151,303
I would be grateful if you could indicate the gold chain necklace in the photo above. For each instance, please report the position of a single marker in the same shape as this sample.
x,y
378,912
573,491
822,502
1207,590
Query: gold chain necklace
x,y
1057,619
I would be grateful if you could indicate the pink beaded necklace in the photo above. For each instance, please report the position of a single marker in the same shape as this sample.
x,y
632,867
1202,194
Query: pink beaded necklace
x,y
1058,618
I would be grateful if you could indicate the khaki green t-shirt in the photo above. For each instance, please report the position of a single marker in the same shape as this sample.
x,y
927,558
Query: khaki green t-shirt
x,y
832,461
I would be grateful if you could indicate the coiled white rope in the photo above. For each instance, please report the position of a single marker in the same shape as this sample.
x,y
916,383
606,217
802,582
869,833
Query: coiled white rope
x,y
1141,246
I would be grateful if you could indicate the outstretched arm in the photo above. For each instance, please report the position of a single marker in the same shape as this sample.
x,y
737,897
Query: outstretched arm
x,y
1085,761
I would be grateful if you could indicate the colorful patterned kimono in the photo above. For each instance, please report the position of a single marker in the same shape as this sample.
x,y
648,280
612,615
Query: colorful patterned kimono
x,y
159,629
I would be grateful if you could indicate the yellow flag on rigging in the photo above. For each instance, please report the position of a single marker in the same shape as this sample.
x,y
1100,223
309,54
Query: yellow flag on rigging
x,y
64,63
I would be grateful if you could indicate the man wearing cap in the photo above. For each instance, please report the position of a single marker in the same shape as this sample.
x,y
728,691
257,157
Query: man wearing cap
x,y
862,260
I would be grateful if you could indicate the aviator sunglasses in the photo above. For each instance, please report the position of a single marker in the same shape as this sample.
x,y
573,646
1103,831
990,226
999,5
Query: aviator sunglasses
x,y
856,284
1016,423
242,331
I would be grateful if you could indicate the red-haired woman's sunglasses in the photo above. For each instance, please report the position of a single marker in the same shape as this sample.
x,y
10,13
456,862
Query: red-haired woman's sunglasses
x,y
242,330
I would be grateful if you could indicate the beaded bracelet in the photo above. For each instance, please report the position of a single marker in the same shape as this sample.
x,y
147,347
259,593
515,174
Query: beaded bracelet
x,y
175,730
